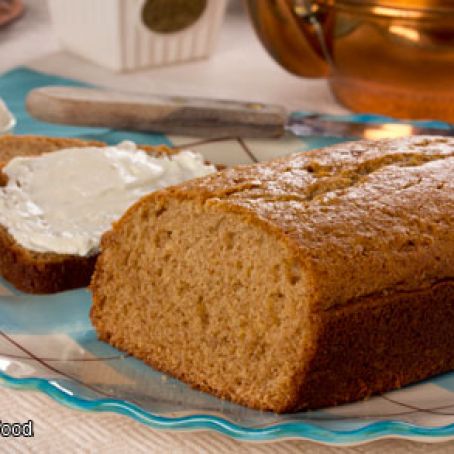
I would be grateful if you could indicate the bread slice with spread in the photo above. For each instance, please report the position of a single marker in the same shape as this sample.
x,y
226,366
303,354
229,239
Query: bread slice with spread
x,y
58,195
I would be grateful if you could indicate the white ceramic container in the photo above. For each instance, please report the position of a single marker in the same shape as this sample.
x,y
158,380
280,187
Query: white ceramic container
x,y
115,33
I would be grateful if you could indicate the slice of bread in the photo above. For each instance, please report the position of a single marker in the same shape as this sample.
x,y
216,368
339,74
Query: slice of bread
x,y
37,272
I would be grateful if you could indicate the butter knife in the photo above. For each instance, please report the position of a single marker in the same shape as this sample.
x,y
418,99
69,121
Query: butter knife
x,y
198,116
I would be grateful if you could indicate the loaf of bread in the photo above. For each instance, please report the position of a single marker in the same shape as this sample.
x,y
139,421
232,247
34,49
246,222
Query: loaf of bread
x,y
308,281
44,272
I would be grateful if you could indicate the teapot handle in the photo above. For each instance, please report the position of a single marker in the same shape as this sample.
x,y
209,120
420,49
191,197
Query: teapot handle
x,y
292,33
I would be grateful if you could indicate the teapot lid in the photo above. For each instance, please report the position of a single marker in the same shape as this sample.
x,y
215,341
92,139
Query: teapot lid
x,y
389,7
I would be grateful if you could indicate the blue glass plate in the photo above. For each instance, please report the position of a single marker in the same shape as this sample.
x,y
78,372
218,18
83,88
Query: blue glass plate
x,y
48,344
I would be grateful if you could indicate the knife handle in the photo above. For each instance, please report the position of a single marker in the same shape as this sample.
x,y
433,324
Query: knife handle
x,y
168,114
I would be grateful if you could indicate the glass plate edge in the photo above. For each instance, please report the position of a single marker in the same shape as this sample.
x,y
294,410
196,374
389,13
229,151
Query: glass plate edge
x,y
291,430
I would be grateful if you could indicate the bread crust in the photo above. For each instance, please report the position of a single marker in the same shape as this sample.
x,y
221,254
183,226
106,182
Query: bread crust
x,y
379,343
37,272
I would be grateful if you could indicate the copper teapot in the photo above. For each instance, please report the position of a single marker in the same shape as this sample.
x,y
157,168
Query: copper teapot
x,y
394,57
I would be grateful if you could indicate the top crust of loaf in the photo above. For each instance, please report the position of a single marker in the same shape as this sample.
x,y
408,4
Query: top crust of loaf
x,y
362,218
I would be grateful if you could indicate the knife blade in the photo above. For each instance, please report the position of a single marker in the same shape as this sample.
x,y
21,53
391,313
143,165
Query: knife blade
x,y
197,116
317,125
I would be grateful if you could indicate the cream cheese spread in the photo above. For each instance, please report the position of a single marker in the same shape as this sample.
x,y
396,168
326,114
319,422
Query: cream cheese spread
x,y
63,201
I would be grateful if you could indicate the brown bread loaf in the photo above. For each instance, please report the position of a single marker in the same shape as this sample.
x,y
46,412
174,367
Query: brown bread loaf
x,y
308,281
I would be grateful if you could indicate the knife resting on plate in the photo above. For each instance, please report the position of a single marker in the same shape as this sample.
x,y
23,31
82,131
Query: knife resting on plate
x,y
198,116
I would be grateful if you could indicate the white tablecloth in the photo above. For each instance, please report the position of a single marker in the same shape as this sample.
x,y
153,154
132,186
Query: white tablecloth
x,y
235,71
